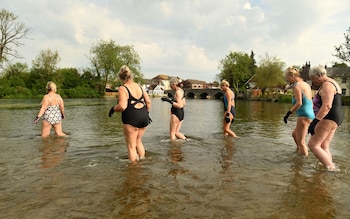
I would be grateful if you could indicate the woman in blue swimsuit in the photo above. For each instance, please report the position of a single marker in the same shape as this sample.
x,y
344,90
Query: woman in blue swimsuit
x,y
52,111
134,104
229,106
302,106
329,116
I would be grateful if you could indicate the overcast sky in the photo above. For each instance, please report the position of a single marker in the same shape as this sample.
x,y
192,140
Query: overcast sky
x,y
184,38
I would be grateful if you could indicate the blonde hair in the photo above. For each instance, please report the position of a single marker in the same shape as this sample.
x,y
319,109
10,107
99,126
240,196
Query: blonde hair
x,y
225,83
317,70
51,86
125,73
292,71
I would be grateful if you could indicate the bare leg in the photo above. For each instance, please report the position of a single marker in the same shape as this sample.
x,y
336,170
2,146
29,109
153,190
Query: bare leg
x,y
175,126
130,134
45,129
319,142
299,134
139,145
58,129
226,127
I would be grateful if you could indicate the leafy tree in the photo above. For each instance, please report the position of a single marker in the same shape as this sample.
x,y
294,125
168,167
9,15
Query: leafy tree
x,y
107,57
343,50
252,66
236,68
270,73
43,70
70,77
12,32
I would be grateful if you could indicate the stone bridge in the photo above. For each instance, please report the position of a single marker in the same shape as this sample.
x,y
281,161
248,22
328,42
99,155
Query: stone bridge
x,y
200,93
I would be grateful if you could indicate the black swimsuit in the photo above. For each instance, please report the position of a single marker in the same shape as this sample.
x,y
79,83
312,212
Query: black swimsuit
x,y
336,112
137,117
178,112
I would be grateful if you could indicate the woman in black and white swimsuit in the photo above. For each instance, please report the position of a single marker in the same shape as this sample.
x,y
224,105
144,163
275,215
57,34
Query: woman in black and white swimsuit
x,y
52,111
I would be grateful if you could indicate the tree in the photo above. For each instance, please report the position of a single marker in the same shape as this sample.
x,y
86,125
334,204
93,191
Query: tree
x,y
107,57
12,32
343,50
236,69
44,68
270,73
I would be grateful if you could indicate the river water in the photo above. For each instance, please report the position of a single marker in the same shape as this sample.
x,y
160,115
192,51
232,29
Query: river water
x,y
87,175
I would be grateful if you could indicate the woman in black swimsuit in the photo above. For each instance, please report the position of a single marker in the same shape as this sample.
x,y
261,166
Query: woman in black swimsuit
x,y
134,104
328,116
177,110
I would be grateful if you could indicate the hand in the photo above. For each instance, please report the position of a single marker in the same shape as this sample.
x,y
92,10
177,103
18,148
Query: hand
x,y
111,111
149,119
285,119
63,116
167,100
36,120
227,118
312,126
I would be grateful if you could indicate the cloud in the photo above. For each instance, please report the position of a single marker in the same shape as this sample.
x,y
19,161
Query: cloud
x,y
185,38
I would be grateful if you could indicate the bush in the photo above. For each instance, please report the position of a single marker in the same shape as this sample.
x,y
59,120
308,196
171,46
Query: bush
x,y
80,92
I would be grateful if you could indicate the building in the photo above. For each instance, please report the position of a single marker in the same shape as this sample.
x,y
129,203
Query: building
x,y
342,76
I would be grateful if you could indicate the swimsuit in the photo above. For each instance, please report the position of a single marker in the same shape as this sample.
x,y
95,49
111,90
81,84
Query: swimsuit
x,y
305,110
53,113
232,110
178,112
336,112
137,117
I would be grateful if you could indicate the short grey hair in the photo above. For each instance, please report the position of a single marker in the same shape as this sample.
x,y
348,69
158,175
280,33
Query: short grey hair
x,y
317,70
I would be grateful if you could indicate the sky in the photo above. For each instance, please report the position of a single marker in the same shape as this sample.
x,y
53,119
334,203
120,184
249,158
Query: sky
x,y
184,38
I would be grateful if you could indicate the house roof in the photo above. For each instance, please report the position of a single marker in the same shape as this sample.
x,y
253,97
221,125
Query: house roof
x,y
194,81
338,71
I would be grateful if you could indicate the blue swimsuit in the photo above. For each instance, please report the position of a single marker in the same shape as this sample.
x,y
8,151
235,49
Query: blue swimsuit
x,y
305,110
232,110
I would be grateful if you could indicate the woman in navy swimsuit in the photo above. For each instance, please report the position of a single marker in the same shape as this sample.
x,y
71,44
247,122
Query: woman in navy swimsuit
x,y
134,104
328,117
229,105
302,106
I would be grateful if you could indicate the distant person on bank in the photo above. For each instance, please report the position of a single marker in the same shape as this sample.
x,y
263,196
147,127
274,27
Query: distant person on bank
x,y
52,111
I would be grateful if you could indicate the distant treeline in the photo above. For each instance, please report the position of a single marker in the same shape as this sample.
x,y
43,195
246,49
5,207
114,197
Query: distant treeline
x,y
70,84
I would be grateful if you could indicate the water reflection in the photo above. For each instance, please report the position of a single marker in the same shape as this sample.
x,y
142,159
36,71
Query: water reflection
x,y
308,188
87,175
53,151
227,154
176,155
132,199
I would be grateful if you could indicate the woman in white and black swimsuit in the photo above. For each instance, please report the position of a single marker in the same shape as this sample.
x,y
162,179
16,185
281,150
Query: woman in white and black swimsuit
x,y
52,111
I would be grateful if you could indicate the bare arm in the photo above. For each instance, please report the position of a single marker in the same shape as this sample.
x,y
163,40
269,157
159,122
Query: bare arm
x,y
298,95
179,100
229,97
122,100
61,104
147,100
44,105
327,96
